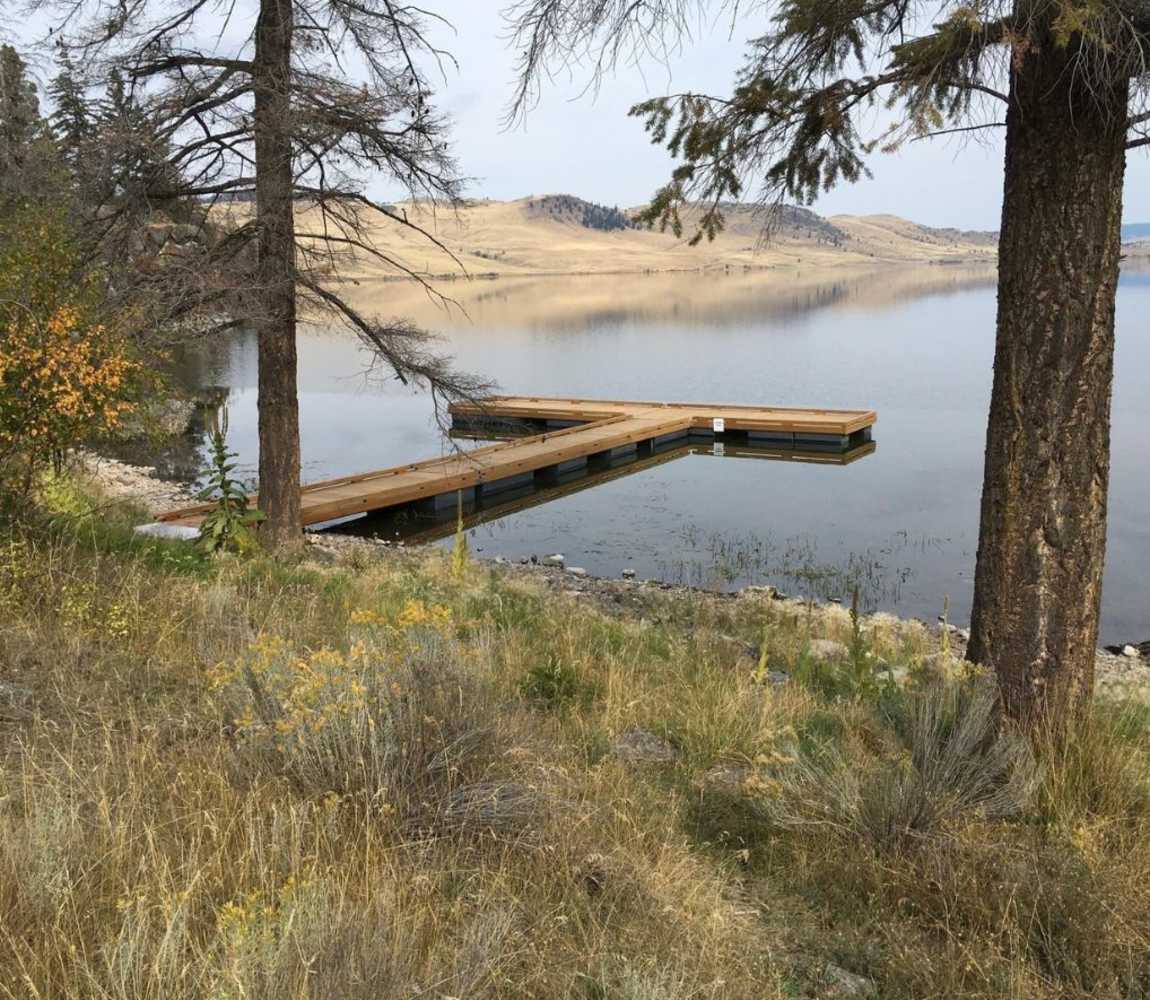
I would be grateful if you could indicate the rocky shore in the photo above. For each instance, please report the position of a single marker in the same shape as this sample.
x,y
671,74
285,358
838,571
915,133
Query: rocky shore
x,y
137,485
1117,675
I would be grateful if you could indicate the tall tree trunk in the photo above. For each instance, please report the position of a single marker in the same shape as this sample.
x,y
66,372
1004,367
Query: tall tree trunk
x,y
1038,582
278,398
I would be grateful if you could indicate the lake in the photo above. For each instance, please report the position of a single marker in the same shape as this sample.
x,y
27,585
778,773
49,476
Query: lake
x,y
901,524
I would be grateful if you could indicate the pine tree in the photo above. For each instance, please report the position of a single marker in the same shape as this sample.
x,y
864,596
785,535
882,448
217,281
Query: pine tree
x,y
23,135
72,118
268,114
1071,77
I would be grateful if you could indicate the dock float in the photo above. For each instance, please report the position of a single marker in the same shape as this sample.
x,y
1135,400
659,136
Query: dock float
x,y
541,439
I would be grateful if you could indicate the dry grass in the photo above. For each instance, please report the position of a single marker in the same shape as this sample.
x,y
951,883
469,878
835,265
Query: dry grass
x,y
380,778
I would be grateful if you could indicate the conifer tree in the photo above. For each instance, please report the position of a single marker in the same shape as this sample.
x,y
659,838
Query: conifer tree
x,y
1067,80
25,145
256,105
71,118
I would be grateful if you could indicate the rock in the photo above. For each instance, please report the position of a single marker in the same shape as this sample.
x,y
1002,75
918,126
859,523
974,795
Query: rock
x,y
1129,650
777,678
500,561
639,746
556,560
628,574
838,982
169,532
725,778
828,649
576,571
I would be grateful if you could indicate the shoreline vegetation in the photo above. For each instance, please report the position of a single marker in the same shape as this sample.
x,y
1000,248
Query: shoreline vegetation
x,y
137,487
365,771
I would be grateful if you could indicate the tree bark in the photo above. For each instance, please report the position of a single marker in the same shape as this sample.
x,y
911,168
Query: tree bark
x,y
279,465
1042,541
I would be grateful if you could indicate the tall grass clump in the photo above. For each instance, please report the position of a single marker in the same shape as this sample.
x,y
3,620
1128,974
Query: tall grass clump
x,y
952,758
394,725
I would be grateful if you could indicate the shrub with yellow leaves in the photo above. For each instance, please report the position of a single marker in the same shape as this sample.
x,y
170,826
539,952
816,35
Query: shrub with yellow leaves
x,y
391,723
66,377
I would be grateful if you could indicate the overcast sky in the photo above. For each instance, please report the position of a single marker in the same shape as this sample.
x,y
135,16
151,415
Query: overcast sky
x,y
580,143
585,144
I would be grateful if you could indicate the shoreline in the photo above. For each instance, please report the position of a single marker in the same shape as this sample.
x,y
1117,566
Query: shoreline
x,y
781,269
1115,674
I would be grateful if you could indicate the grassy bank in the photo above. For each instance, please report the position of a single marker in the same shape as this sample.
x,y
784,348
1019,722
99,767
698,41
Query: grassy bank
x,y
388,776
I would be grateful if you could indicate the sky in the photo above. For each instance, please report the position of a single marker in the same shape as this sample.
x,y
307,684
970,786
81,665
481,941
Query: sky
x,y
583,143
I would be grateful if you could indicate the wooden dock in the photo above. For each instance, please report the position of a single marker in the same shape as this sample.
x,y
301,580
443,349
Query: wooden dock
x,y
553,436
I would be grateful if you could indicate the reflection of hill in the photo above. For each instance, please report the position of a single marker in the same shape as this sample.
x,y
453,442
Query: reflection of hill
x,y
578,302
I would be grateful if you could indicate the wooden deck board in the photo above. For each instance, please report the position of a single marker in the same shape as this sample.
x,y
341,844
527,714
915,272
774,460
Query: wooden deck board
x,y
606,425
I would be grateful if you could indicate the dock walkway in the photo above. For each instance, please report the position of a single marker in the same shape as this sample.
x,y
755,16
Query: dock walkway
x,y
572,432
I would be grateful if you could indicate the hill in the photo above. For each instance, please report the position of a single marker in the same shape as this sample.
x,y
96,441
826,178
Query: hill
x,y
562,234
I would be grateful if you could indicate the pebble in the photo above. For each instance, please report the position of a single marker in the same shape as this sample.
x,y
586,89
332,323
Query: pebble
x,y
557,559
576,571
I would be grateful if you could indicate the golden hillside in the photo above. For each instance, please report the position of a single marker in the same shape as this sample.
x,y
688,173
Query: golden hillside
x,y
547,235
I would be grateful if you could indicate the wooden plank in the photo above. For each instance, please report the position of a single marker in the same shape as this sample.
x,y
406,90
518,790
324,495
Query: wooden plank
x,y
736,416
607,425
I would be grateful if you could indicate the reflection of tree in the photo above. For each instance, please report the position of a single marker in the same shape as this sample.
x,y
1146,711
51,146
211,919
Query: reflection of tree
x,y
177,452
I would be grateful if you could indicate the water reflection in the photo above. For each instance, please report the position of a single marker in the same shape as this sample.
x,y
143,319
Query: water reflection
x,y
713,298
421,523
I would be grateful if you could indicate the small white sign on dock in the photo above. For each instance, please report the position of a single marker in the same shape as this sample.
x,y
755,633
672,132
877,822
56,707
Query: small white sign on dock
x,y
719,425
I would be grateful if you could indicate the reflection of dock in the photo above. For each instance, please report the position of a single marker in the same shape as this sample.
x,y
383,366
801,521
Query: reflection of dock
x,y
418,524
553,438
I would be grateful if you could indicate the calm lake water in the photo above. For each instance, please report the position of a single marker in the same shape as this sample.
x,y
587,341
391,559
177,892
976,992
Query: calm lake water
x,y
901,523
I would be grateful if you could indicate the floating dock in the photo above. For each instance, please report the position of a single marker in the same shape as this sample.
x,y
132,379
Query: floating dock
x,y
552,438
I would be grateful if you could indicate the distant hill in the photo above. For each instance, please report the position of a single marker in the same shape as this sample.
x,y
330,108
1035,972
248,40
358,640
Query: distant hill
x,y
564,234
1136,232
568,208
